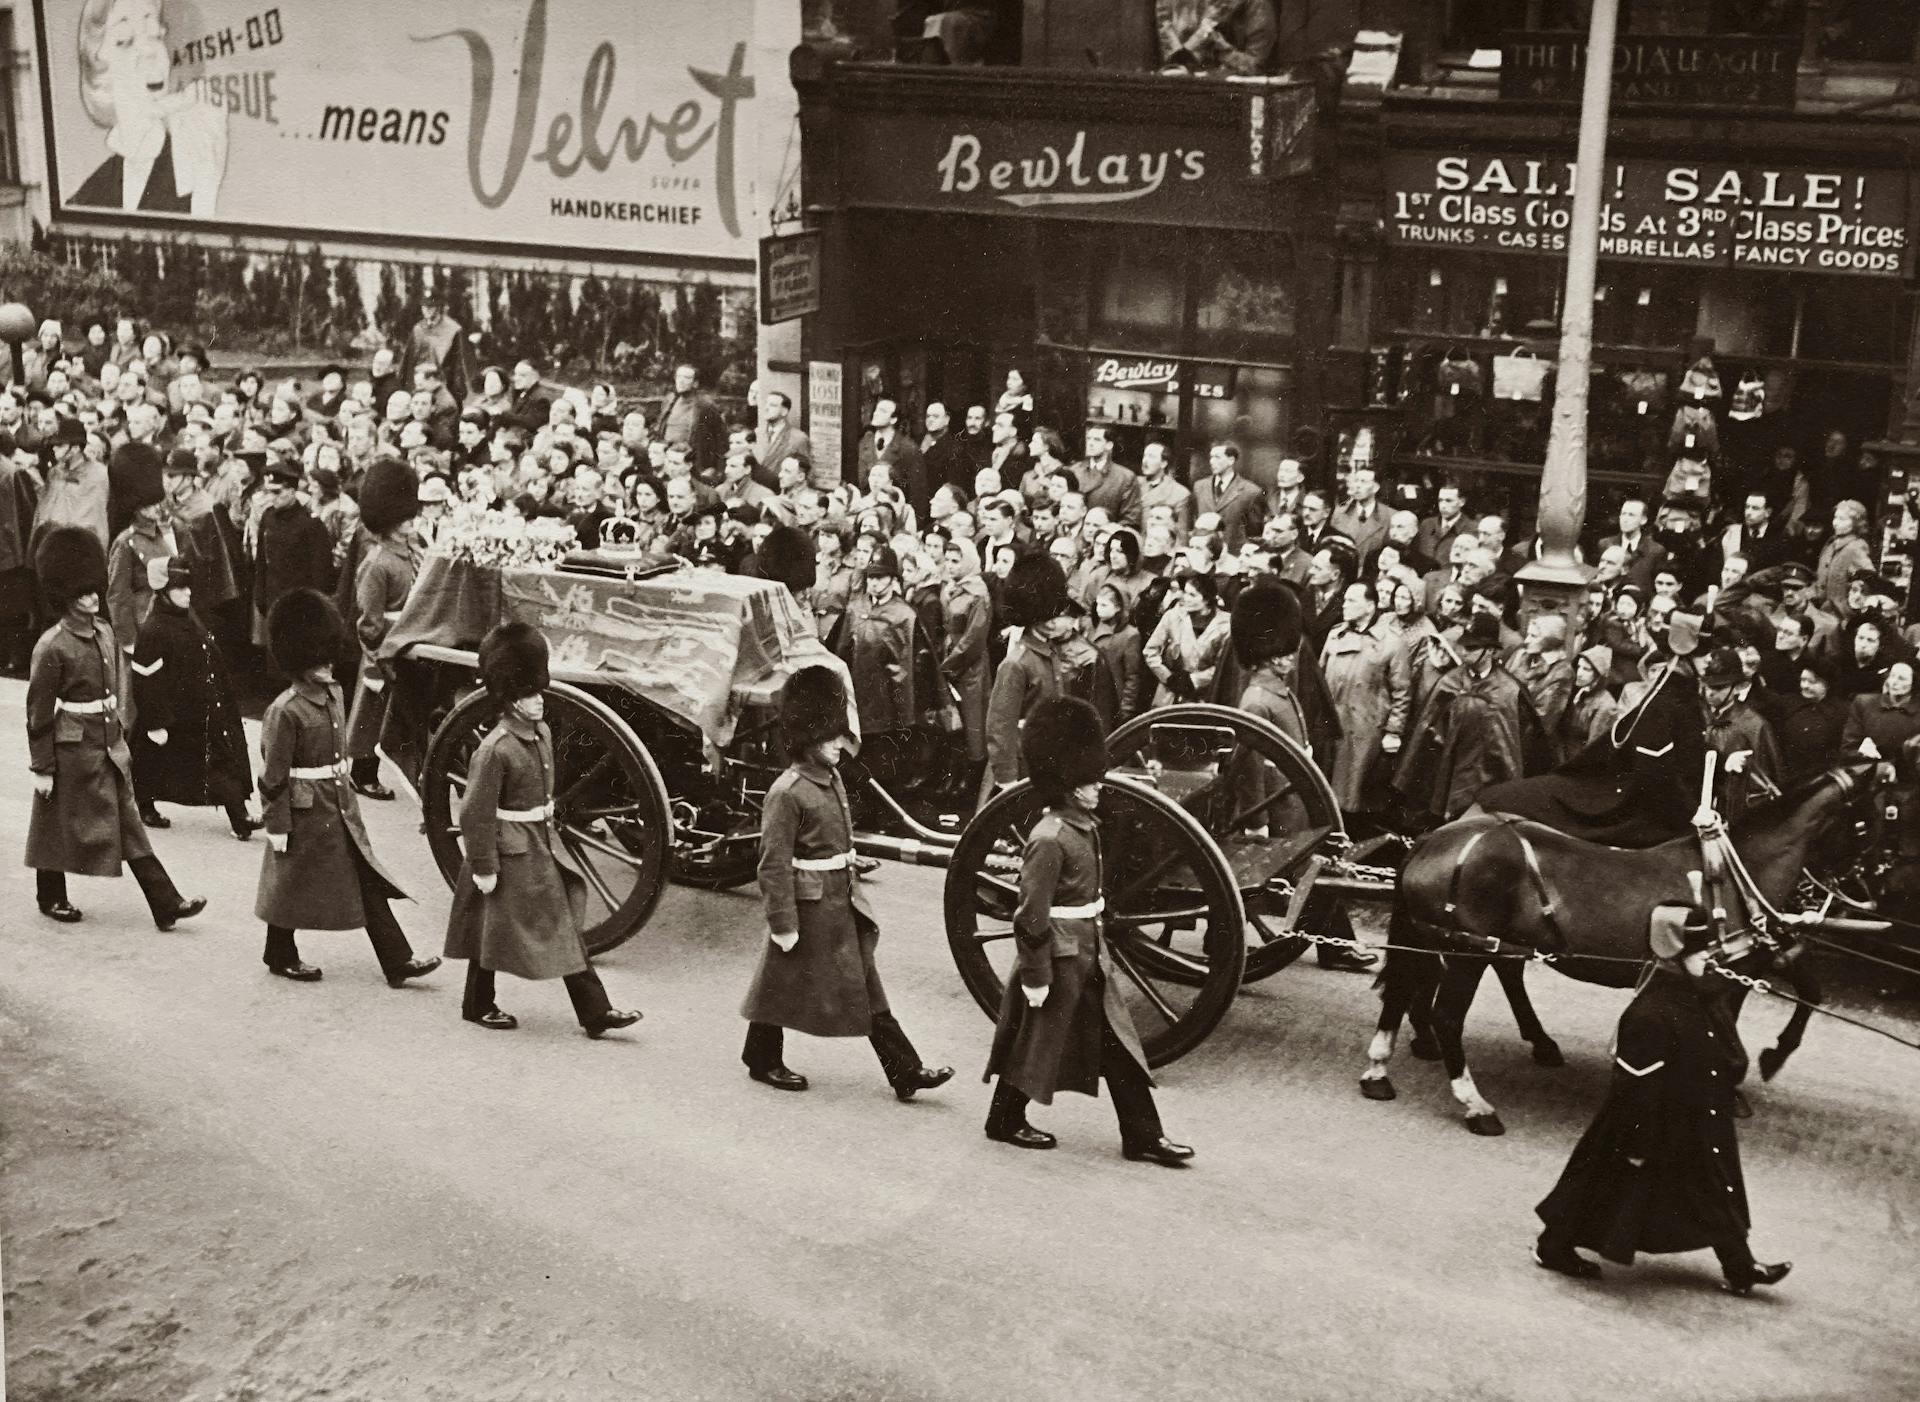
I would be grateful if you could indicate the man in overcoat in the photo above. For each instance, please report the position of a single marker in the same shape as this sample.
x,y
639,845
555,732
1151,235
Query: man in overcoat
x,y
1063,1024
84,820
515,910
1472,731
389,501
188,745
319,871
817,973
1658,1170
1750,765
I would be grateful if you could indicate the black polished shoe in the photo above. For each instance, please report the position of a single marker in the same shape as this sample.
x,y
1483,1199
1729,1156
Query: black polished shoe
x,y
1761,1274
299,973
246,828
1347,961
780,1078
152,818
413,968
612,1020
1569,1263
186,910
66,912
375,790
1162,1151
493,1020
1021,1137
922,1078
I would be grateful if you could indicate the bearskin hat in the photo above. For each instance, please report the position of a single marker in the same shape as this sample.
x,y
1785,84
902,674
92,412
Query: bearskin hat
x,y
70,561
304,630
389,495
133,477
786,557
513,661
1035,591
1064,745
1266,624
813,707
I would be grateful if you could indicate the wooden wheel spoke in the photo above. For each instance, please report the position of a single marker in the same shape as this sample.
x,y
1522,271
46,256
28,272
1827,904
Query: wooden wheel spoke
x,y
993,935
1139,981
570,795
577,838
590,815
1164,953
588,872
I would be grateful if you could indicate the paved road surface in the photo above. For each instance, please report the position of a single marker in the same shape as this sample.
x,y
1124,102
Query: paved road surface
x,y
219,1185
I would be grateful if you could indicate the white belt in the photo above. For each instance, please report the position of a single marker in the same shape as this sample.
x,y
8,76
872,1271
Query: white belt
x,y
837,862
525,815
1077,912
319,771
86,708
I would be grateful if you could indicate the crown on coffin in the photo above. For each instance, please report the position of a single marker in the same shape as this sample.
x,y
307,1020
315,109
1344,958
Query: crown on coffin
x,y
620,535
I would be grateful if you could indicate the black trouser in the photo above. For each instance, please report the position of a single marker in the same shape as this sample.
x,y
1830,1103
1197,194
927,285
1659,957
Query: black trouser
x,y
1127,1084
364,771
766,1048
163,899
1332,921
589,995
389,941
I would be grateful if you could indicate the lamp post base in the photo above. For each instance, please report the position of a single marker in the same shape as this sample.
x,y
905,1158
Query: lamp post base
x,y
1553,587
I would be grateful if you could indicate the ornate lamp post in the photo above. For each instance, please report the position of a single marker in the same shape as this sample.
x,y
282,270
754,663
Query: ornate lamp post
x,y
16,329
1556,582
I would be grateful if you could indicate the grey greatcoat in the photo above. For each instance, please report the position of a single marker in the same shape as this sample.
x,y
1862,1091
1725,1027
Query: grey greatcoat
x,y
1371,683
315,883
827,984
90,824
529,925
1056,1046
381,585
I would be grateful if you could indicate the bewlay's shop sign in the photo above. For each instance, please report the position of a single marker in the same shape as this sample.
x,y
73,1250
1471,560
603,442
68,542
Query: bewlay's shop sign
x,y
1694,213
1155,174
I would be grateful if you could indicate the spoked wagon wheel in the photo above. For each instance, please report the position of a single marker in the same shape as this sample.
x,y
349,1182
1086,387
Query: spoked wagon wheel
x,y
1261,798
717,830
1168,891
610,806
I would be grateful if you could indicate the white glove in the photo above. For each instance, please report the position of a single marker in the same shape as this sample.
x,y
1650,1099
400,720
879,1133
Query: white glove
x,y
1736,763
157,572
278,842
374,684
43,785
786,941
1389,744
159,737
1869,749
485,884
1036,996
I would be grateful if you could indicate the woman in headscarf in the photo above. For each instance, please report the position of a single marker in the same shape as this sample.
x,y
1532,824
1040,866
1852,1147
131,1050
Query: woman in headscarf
x,y
966,622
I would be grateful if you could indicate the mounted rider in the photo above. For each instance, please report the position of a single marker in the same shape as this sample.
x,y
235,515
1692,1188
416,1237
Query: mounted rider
x,y
1635,786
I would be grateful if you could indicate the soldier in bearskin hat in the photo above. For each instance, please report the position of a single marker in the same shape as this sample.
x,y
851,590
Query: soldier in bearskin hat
x,y
1658,1170
188,746
515,909
318,872
84,820
817,973
389,502
143,543
786,557
1063,1024
1035,600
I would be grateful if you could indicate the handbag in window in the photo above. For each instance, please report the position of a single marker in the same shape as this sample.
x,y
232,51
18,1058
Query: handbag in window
x,y
1522,375
1749,397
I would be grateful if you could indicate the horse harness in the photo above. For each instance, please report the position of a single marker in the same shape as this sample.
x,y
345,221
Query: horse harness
x,y
1492,945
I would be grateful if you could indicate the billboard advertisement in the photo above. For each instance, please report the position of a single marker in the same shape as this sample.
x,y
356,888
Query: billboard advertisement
x,y
530,125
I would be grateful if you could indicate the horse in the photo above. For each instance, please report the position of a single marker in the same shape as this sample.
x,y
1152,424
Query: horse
x,y
1488,887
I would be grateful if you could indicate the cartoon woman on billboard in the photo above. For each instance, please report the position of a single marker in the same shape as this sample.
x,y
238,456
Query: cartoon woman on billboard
x,y
169,152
